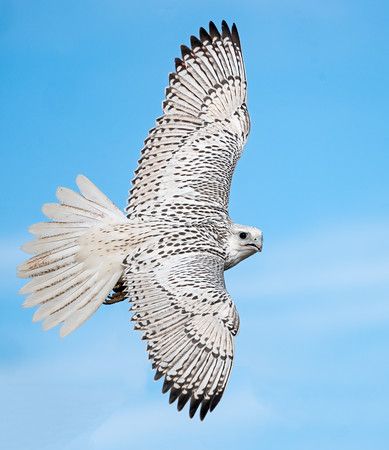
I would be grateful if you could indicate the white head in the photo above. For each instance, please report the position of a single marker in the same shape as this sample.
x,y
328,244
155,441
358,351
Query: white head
x,y
242,242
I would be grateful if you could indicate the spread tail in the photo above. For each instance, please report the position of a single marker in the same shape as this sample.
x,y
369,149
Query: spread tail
x,y
69,280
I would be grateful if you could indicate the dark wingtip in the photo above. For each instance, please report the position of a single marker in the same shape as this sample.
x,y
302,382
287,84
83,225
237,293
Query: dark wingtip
x,y
173,79
178,63
213,31
204,35
204,409
167,384
183,400
194,404
158,375
215,401
195,42
226,33
185,51
174,393
235,35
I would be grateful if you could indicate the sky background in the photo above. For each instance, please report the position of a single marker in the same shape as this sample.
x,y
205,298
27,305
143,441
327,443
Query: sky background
x,y
81,82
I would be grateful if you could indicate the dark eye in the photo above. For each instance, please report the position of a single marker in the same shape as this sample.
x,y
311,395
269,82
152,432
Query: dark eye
x,y
243,235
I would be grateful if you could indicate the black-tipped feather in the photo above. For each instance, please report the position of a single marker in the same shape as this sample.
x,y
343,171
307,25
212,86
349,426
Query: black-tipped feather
x,y
195,42
194,404
178,63
183,400
225,30
204,35
215,401
213,31
158,375
185,51
204,409
174,394
235,35
167,384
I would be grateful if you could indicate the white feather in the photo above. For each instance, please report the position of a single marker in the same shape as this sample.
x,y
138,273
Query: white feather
x,y
78,257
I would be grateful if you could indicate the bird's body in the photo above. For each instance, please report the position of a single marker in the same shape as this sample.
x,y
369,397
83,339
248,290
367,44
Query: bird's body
x,y
162,240
169,252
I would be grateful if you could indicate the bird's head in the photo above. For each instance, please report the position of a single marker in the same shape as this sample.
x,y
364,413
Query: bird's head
x,y
242,242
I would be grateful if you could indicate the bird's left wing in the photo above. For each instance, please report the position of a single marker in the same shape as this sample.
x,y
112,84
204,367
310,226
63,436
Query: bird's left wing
x,y
189,320
189,157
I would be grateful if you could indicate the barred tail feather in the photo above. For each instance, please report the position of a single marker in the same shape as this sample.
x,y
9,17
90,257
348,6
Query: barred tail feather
x,y
67,289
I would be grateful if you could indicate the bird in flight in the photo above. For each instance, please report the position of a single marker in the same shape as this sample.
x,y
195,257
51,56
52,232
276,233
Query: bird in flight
x,y
167,254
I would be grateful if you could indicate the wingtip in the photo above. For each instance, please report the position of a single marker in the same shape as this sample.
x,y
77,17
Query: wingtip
x,y
167,384
158,374
235,35
195,42
214,402
178,63
183,400
213,31
204,409
226,33
204,35
194,404
174,394
185,51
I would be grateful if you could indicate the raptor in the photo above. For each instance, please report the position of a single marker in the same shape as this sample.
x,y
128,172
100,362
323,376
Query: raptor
x,y
168,252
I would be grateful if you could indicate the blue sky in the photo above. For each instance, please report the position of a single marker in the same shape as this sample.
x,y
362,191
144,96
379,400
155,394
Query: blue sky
x,y
81,82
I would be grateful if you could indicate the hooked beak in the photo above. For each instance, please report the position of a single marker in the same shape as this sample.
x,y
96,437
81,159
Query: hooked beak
x,y
259,243
257,246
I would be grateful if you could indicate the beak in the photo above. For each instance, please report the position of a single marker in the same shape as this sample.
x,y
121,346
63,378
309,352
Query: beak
x,y
257,246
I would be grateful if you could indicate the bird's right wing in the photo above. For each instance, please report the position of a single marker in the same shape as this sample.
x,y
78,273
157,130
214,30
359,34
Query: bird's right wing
x,y
188,159
189,320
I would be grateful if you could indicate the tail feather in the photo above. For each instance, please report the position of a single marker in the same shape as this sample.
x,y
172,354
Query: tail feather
x,y
49,244
46,265
65,213
73,199
82,314
66,283
57,229
93,194
80,296
48,281
60,291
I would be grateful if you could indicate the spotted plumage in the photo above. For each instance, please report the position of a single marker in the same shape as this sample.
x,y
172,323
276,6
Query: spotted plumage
x,y
167,255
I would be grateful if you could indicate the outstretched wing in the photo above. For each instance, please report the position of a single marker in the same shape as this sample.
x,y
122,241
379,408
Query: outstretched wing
x,y
189,320
188,159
